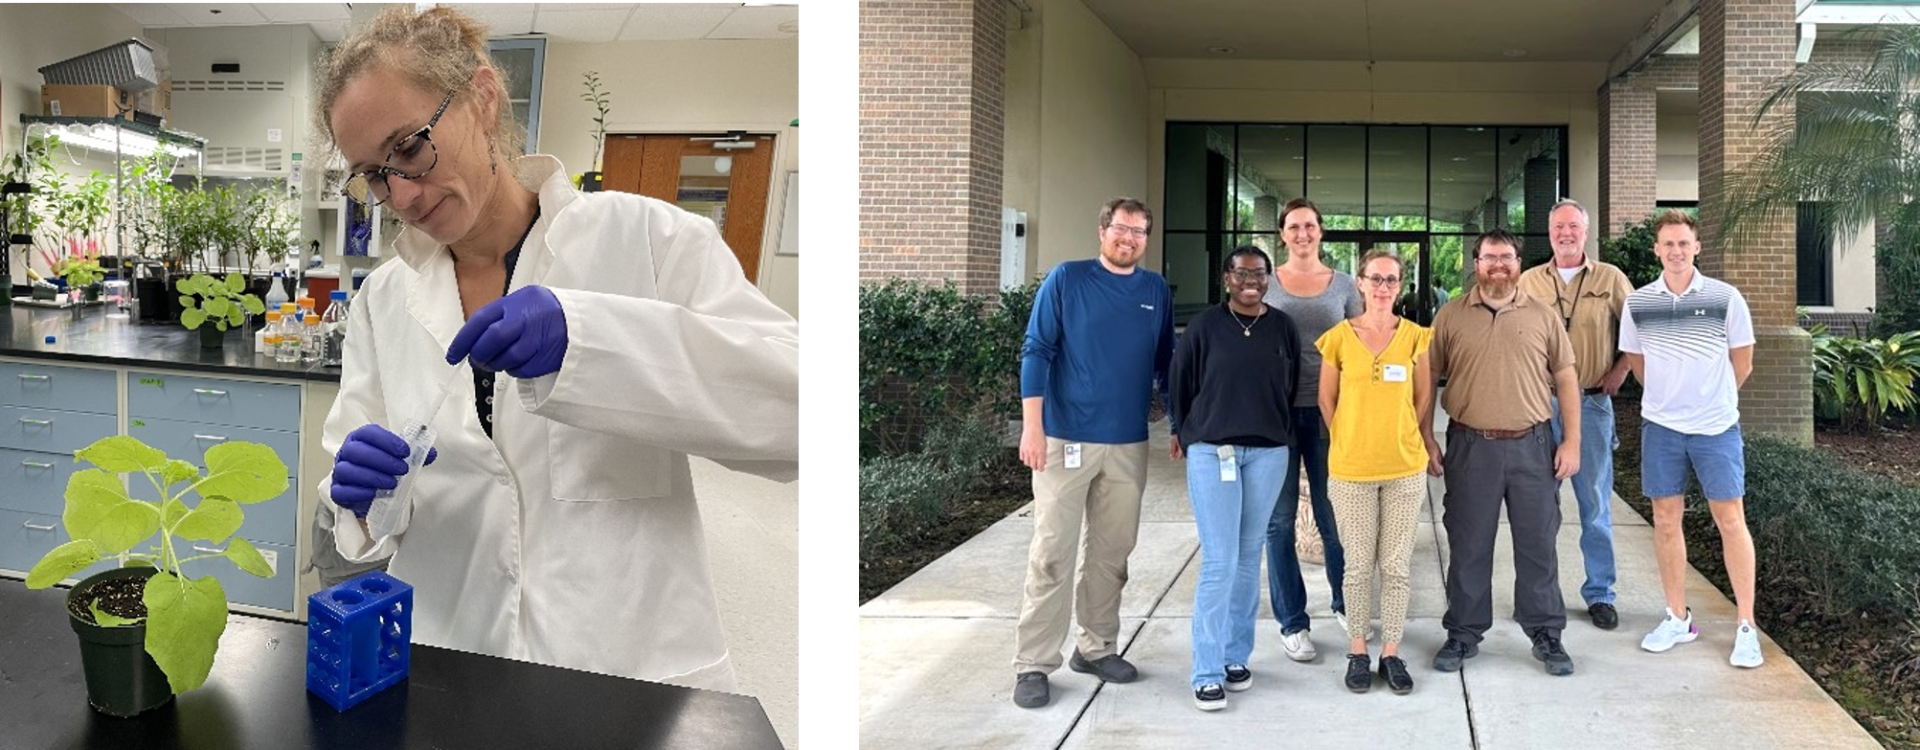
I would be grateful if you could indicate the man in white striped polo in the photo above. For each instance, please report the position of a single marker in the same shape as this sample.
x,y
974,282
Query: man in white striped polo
x,y
1689,340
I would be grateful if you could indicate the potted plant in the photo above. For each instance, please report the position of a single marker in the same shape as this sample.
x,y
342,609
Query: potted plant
x,y
590,180
212,305
82,274
146,630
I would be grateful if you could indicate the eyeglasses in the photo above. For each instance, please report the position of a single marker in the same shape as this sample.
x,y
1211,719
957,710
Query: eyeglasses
x,y
1501,258
1382,280
1248,274
1124,229
412,158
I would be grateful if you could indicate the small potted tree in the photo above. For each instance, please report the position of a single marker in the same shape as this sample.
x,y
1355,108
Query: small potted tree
x,y
146,630
602,104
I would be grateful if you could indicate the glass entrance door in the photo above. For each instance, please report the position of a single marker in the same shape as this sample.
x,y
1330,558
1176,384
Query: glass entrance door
x,y
1431,277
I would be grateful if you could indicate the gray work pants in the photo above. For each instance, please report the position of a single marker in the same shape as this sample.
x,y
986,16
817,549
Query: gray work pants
x,y
1480,473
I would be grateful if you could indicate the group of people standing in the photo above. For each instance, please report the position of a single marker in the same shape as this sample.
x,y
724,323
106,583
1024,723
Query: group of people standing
x,y
1307,371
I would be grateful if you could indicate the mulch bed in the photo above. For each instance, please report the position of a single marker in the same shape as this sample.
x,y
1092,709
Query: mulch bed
x,y
1869,662
966,519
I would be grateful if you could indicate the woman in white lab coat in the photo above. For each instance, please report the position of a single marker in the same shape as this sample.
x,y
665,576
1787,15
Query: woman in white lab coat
x,y
610,336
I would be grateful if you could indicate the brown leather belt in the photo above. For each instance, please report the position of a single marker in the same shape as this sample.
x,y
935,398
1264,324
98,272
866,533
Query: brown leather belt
x,y
1497,434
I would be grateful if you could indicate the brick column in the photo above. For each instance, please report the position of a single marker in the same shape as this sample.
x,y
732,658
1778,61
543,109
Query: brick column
x,y
931,140
1266,213
1628,159
1745,44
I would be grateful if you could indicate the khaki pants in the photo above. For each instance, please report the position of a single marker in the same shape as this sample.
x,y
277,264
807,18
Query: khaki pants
x,y
1104,493
1377,525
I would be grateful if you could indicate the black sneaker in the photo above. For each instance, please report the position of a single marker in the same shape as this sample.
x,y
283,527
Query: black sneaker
x,y
1605,617
1209,697
1359,673
1394,672
1110,668
1547,648
1452,653
1030,690
1239,677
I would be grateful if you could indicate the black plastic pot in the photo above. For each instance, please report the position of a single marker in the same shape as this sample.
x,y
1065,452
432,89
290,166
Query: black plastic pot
x,y
590,182
155,302
211,337
122,679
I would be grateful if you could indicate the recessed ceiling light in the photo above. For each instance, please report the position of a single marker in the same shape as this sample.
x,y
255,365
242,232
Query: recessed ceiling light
x,y
1221,50
1515,52
1459,158
1299,158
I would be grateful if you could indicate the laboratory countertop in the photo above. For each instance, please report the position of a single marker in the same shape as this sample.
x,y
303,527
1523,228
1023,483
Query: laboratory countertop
x,y
99,338
256,697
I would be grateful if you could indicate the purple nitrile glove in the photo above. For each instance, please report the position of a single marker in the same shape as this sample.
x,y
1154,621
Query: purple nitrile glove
x,y
523,334
371,459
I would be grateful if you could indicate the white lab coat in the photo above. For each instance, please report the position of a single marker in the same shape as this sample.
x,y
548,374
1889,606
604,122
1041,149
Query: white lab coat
x,y
572,538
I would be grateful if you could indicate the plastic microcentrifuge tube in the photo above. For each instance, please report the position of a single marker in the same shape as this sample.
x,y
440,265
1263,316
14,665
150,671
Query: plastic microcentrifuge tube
x,y
392,509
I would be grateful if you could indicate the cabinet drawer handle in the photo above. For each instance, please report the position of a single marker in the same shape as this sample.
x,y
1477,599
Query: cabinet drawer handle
x,y
214,438
36,464
198,548
209,392
39,422
25,376
36,527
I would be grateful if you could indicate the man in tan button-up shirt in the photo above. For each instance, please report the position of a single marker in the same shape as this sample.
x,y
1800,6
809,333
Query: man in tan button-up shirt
x,y
1587,296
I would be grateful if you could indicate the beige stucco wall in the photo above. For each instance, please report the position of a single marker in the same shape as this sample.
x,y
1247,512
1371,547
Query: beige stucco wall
x,y
1077,128
1677,146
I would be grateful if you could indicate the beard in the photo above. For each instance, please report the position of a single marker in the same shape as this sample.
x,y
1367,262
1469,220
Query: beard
x,y
1498,288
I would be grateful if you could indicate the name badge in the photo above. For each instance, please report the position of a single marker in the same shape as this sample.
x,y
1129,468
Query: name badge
x,y
1073,455
1394,373
1229,464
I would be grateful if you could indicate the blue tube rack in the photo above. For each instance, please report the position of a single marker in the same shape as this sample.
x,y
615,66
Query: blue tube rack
x,y
358,638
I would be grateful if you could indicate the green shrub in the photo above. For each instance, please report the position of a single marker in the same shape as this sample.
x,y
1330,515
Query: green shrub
x,y
902,495
1851,536
1861,380
1632,251
930,355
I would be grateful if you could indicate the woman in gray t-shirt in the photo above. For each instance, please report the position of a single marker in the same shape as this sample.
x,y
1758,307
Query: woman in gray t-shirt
x,y
1316,297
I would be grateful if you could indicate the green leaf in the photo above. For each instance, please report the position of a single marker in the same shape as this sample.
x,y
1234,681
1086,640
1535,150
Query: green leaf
x,y
235,283
61,562
171,512
179,471
243,554
245,472
192,318
107,619
125,525
235,316
121,454
188,302
253,304
214,520
184,621
91,495
216,307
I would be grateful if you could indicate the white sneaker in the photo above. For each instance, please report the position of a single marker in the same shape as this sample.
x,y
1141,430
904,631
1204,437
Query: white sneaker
x,y
1746,647
1299,645
1670,631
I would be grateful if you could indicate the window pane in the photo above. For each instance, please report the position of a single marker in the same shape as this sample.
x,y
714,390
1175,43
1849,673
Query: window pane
x,y
1813,257
1462,164
1397,178
1337,174
1197,168
1190,272
1529,177
1340,256
1272,163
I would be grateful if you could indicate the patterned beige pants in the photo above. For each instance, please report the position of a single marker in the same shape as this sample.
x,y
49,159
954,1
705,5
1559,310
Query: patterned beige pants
x,y
1377,521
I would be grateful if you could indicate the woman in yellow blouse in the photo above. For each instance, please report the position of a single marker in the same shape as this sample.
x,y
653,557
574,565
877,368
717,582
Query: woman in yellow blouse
x,y
1376,394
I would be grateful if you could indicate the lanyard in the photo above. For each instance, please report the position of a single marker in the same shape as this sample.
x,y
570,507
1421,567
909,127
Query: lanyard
x,y
1566,316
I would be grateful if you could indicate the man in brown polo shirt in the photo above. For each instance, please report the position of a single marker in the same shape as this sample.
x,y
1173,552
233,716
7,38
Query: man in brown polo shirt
x,y
1588,295
1502,353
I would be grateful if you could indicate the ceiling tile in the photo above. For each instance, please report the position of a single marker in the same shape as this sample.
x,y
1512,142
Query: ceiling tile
x,y
761,22
302,12
230,14
330,31
151,14
503,22
674,21
589,26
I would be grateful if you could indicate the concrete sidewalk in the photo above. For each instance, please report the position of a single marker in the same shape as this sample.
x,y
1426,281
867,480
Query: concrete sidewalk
x,y
936,660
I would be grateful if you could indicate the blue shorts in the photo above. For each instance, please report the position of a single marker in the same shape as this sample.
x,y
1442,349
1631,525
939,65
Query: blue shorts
x,y
1719,461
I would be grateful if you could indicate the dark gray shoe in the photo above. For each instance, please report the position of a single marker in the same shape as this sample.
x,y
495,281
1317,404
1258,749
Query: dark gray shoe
x,y
1394,672
1547,648
1359,673
1110,668
1452,653
1030,690
1605,617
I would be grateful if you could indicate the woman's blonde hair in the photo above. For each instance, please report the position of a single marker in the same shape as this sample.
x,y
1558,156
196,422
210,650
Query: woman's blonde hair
x,y
438,49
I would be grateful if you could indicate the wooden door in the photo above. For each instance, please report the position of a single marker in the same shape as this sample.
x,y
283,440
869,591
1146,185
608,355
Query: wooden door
x,y
685,170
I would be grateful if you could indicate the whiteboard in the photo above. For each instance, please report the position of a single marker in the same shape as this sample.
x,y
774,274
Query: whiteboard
x,y
790,217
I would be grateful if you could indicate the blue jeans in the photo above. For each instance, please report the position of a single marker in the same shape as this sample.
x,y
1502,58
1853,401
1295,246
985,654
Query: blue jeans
x,y
1593,492
1231,517
1284,585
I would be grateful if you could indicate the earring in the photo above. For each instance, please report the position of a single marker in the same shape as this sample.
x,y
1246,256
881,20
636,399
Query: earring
x,y
493,152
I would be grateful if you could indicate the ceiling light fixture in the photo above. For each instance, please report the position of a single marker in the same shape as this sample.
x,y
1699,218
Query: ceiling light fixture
x,y
1515,52
723,164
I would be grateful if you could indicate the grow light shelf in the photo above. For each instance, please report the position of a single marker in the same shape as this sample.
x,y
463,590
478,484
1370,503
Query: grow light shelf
x,y
162,135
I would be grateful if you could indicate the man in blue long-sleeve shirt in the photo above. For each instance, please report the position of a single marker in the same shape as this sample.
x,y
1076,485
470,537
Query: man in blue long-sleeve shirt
x,y
1099,341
